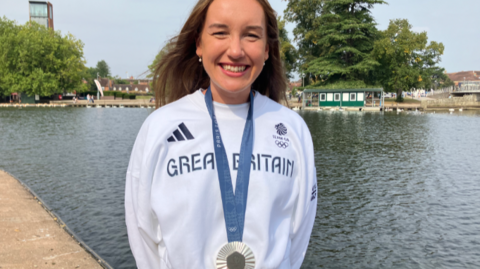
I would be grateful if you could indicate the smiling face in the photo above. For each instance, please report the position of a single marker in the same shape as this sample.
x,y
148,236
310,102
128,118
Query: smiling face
x,y
233,47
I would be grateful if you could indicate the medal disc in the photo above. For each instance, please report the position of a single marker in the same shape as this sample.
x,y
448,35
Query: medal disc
x,y
235,255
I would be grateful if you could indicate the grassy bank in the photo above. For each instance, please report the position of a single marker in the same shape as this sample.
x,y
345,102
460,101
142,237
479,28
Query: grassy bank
x,y
405,101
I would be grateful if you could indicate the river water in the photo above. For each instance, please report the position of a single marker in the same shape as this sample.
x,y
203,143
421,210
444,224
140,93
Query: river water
x,y
395,191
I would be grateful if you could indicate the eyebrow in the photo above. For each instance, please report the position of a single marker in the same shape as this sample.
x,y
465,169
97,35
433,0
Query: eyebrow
x,y
219,25
254,27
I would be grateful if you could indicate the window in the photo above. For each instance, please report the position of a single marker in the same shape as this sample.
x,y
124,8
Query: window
x,y
360,96
353,96
38,10
345,97
51,13
323,97
337,97
41,21
329,97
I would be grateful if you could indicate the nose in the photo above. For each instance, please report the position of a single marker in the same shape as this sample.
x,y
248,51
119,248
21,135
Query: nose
x,y
235,50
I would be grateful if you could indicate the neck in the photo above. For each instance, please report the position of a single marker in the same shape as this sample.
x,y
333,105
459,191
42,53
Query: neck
x,y
229,98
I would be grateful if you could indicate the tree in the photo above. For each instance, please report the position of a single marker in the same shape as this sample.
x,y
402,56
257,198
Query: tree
x,y
7,28
294,92
103,69
345,34
407,60
38,61
304,13
90,74
118,80
288,53
159,56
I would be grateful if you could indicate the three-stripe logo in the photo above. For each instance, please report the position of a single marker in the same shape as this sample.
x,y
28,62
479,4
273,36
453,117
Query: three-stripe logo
x,y
180,135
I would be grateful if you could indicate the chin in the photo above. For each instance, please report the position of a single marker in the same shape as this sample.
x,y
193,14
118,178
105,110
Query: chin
x,y
234,88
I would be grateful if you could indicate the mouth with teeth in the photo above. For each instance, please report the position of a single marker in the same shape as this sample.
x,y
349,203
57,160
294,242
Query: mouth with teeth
x,y
234,68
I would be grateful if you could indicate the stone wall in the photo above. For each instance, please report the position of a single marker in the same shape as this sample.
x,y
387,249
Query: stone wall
x,y
465,101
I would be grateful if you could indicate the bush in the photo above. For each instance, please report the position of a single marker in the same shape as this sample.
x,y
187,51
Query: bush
x,y
119,95
89,92
108,93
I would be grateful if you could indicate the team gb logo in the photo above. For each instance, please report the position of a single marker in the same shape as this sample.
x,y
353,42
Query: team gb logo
x,y
281,129
281,140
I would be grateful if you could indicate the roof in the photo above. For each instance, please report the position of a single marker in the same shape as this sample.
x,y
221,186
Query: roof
x,y
344,90
464,75
104,82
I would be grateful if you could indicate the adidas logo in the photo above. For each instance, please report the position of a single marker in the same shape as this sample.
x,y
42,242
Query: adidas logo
x,y
180,136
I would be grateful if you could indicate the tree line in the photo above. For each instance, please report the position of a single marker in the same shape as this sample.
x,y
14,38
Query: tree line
x,y
339,45
36,60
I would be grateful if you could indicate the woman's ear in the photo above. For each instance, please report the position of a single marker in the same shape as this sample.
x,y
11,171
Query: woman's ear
x,y
267,50
198,43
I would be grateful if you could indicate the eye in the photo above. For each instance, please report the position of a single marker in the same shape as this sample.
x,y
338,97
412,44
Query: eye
x,y
220,33
252,36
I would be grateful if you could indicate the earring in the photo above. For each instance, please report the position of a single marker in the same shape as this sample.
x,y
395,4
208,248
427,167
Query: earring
x,y
263,63
200,60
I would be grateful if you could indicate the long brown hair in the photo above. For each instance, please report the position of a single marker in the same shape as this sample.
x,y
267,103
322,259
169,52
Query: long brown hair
x,y
178,73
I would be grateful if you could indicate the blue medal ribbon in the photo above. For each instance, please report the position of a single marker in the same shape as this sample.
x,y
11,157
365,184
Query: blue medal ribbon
x,y
234,204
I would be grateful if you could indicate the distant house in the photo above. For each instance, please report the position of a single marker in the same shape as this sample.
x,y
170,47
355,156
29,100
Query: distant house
x,y
468,76
131,87
135,85
106,84
140,81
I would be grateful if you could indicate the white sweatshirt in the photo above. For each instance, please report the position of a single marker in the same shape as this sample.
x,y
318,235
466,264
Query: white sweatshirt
x,y
173,206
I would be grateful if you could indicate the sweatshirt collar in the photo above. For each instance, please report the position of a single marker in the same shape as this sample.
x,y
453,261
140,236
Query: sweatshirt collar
x,y
226,110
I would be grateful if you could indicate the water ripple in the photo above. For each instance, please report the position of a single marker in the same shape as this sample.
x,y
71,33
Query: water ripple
x,y
395,191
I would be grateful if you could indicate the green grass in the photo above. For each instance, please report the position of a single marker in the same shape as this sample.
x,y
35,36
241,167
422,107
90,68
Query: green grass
x,y
407,100
144,97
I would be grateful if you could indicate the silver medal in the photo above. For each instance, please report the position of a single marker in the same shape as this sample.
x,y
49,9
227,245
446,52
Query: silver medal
x,y
235,255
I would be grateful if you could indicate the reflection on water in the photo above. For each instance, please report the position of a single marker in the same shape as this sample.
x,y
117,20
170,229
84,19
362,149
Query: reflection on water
x,y
76,160
395,191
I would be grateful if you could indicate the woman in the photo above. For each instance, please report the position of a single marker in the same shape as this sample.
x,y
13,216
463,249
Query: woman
x,y
223,175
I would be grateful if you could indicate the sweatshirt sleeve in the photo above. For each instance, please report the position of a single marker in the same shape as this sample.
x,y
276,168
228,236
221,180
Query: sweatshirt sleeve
x,y
306,208
143,229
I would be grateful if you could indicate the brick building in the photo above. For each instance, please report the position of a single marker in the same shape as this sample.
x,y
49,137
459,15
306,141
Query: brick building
x,y
467,76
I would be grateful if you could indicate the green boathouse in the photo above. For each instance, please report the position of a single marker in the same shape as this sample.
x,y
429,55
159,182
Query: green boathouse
x,y
368,97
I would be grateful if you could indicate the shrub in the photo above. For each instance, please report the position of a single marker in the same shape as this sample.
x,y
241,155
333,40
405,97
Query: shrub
x,y
108,93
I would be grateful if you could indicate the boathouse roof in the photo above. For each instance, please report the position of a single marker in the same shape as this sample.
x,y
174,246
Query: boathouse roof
x,y
345,90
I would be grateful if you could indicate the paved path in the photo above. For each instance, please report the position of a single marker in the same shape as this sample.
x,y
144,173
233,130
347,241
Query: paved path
x,y
31,237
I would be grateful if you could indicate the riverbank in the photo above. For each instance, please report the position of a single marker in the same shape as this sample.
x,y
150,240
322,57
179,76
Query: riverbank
x,y
34,237
84,103
466,102
389,105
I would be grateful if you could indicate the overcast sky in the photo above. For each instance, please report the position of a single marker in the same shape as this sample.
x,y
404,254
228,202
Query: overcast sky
x,y
127,34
